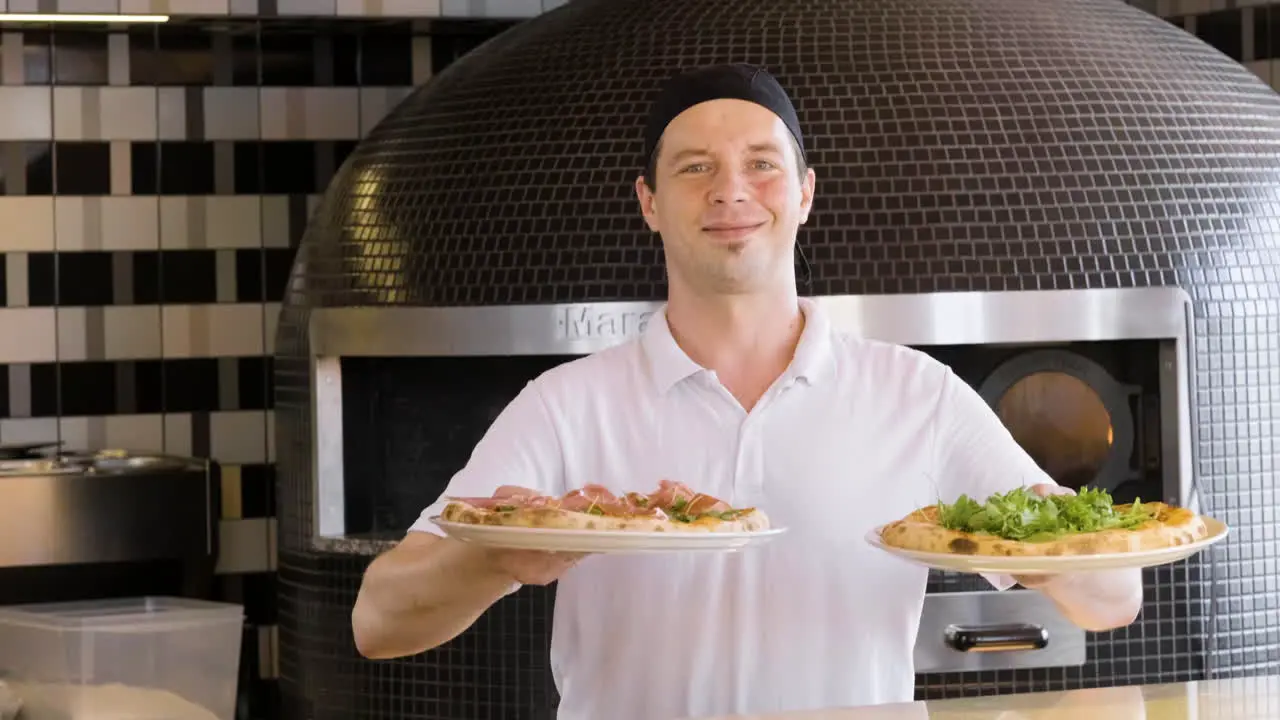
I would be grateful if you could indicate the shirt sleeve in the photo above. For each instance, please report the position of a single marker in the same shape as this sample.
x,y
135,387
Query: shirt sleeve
x,y
975,454
521,447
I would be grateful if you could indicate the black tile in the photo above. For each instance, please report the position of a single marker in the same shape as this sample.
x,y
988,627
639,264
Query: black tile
x,y
186,168
289,166
79,57
298,216
42,279
386,57
255,382
279,263
247,158
191,385
37,57
44,390
1266,33
346,59
258,490
85,278
146,277
454,39
170,56
288,58
144,158
1223,30
244,60
82,168
249,271
148,383
342,149
189,276
260,598
4,391
88,388
39,157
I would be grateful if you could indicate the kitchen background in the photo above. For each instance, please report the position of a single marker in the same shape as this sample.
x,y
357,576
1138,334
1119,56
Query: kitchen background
x,y
154,182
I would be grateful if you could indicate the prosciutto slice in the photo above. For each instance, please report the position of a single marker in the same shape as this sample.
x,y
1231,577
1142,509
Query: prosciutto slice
x,y
670,496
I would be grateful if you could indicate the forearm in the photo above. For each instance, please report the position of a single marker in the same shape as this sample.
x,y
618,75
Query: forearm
x,y
409,602
1095,601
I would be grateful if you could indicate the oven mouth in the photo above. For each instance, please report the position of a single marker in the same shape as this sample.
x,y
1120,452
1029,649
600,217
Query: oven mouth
x,y
1069,414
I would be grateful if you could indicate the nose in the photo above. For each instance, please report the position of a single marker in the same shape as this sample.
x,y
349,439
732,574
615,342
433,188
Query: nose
x,y
728,186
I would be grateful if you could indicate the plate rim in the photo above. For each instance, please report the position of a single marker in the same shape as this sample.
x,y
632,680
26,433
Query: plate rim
x,y
934,559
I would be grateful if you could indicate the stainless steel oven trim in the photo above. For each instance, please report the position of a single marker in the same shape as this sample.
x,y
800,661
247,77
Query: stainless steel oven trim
x,y
957,318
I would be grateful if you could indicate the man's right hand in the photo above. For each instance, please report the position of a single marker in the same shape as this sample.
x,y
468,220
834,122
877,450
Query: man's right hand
x,y
533,567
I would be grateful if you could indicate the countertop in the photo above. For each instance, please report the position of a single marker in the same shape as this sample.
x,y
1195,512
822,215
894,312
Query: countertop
x,y
1255,698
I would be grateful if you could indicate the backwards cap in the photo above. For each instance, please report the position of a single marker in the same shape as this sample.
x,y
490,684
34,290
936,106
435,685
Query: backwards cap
x,y
737,81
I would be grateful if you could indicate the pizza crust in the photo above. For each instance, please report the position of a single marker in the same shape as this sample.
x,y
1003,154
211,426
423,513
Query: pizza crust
x,y
1169,527
745,520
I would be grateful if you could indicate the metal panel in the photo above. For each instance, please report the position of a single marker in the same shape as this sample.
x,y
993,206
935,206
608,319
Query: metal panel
x,y
1015,629
975,318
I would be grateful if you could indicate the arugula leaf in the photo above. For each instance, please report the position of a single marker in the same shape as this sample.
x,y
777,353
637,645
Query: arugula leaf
x,y
1021,514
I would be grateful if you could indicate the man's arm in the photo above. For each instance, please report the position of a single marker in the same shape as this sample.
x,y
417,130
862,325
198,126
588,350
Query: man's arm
x,y
430,588
975,454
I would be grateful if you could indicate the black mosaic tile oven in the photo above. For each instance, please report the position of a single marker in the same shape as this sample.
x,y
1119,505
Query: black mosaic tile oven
x,y
1073,203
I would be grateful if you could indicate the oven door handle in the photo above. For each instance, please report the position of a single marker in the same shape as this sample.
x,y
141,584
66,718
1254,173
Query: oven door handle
x,y
996,638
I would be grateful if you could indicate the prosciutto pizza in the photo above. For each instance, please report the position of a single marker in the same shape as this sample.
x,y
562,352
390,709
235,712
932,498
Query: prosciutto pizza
x,y
1022,523
673,507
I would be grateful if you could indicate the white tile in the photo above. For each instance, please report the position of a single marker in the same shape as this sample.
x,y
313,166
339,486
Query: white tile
x,y
16,292
199,7
68,114
234,222
139,433
313,8
375,103
27,430
88,6
275,221
72,232
244,546
27,113
130,223
271,313
271,436
212,330
238,436
127,332
28,224
410,8
35,327
128,113
314,113
177,434
171,112
231,113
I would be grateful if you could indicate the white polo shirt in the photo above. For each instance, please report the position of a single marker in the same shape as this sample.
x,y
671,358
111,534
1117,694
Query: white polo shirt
x,y
854,434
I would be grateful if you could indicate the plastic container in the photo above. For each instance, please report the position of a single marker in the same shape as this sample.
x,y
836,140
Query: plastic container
x,y
152,658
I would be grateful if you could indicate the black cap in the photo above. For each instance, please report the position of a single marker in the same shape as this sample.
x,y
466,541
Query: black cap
x,y
737,81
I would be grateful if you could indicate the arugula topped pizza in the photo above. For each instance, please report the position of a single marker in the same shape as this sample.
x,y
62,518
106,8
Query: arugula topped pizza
x,y
1022,523
672,507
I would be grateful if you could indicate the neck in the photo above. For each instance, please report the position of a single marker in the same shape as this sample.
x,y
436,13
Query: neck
x,y
746,339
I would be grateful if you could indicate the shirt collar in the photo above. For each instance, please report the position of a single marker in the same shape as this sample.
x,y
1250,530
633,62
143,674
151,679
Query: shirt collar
x,y
669,365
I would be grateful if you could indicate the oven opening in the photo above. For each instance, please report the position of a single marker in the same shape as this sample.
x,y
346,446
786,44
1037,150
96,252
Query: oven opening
x,y
410,423
1062,423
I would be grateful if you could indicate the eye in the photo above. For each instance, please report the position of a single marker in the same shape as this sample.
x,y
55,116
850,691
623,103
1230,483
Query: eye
x,y
764,165
696,167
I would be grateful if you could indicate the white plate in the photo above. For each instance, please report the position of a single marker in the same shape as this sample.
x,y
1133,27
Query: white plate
x,y
1051,565
603,541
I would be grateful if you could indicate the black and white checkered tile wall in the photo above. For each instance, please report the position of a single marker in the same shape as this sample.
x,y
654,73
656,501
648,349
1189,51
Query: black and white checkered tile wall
x,y
153,186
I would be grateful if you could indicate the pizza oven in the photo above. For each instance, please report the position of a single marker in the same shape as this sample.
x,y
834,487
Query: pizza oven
x,y
1064,200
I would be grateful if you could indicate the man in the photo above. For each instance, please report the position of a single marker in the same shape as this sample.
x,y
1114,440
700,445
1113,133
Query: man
x,y
744,391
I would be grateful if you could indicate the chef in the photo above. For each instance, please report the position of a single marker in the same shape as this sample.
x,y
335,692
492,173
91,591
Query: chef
x,y
743,390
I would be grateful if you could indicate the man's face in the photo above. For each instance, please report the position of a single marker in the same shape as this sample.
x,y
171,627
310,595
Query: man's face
x,y
729,199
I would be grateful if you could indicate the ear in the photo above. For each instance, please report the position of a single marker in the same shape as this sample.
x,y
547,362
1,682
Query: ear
x,y
648,204
806,194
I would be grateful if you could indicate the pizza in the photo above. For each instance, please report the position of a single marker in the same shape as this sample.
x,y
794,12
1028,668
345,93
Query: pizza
x,y
673,507
1022,523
